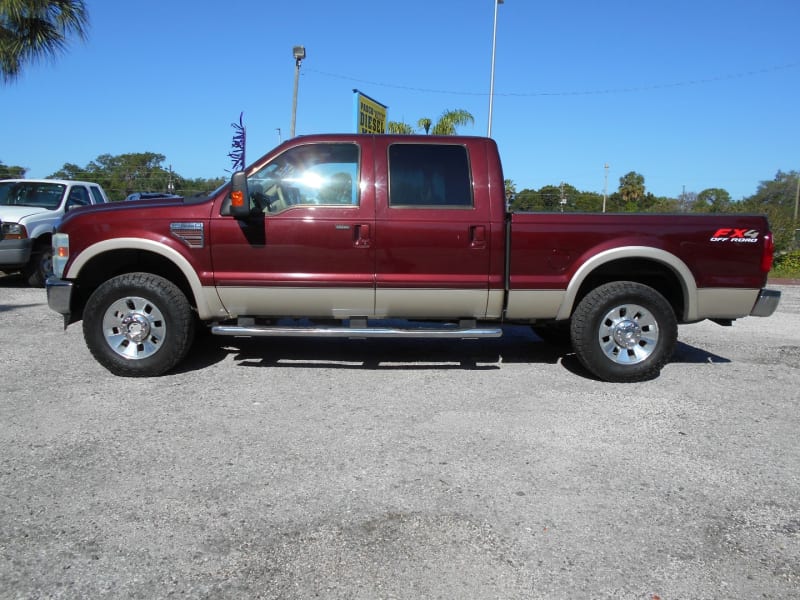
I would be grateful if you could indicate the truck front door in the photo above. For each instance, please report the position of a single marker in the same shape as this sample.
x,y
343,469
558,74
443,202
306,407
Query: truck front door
x,y
310,249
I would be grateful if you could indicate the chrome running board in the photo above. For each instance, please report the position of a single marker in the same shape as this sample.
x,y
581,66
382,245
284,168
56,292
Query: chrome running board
x,y
358,330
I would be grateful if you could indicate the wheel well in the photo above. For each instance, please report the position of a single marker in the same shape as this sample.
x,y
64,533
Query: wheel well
x,y
103,267
43,240
647,272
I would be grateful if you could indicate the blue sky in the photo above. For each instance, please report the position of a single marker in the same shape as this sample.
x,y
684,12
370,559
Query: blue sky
x,y
694,94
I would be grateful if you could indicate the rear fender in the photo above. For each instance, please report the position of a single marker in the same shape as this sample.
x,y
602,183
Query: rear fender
x,y
688,283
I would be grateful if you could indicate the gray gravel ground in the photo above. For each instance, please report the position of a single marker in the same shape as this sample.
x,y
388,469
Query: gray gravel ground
x,y
355,469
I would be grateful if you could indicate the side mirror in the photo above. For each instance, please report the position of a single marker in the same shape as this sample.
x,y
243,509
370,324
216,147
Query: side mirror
x,y
240,198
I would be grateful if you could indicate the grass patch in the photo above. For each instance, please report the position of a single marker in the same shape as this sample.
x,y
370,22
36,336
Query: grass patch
x,y
786,266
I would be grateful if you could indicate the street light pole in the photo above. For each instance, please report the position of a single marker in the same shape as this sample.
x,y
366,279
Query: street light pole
x,y
491,80
299,53
605,187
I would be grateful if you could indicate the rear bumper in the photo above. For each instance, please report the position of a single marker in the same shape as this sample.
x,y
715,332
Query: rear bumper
x,y
766,303
59,296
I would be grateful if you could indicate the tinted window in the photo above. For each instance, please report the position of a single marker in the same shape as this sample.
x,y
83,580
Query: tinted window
x,y
429,176
78,196
314,174
97,197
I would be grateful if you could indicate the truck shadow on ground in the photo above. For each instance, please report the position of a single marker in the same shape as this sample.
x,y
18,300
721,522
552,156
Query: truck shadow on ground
x,y
519,345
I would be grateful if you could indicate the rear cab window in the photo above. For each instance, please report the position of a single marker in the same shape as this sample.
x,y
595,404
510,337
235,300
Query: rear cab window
x,y
429,176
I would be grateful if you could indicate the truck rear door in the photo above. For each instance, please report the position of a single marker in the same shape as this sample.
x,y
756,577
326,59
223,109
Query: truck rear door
x,y
432,233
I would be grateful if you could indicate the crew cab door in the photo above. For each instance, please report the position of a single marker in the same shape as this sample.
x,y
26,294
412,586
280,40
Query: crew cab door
x,y
434,236
309,249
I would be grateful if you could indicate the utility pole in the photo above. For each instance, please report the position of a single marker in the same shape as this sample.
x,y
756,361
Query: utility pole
x,y
491,79
605,187
299,53
796,203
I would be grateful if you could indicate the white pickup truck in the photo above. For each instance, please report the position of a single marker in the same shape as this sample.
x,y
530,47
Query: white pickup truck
x,y
29,211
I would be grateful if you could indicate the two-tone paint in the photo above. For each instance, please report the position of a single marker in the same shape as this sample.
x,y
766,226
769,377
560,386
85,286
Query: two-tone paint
x,y
375,260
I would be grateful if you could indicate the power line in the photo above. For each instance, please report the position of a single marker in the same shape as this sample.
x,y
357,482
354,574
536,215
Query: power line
x,y
620,90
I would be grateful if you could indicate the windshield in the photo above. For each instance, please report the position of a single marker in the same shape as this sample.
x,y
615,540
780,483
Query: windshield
x,y
29,193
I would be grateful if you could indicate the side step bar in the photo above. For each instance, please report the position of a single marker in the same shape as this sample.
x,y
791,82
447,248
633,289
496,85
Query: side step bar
x,y
358,330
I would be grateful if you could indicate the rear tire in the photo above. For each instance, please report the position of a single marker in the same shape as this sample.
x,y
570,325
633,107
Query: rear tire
x,y
624,331
138,325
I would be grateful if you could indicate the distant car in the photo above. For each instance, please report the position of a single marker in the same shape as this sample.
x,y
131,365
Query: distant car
x,y
29,210
150,196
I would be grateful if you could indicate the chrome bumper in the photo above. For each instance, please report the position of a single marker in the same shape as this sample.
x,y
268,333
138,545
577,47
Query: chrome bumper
x,y
59,297
766,303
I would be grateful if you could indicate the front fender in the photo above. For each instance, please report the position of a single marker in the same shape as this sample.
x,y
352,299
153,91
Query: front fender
x,y
209,305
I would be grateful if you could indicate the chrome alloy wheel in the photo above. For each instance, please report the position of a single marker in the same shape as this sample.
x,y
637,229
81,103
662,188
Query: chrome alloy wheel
x,y
628,334
134,327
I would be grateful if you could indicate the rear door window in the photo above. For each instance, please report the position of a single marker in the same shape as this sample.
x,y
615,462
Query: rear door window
x,y
429,176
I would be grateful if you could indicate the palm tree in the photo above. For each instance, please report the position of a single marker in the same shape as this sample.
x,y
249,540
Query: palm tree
x,y
34,29
399,128
449,120
425,124
631,187
446,125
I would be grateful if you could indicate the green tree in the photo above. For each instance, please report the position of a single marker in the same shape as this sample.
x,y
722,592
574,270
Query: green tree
x,y
510,191
587,202
713,200
123,174
399,128
450,120
662,204
447,124
11,172
525,200
776,200
631,190
31,30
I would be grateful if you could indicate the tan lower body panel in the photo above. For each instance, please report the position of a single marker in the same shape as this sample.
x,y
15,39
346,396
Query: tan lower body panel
x,y
534,304
725,303
342,303
339,303
435,304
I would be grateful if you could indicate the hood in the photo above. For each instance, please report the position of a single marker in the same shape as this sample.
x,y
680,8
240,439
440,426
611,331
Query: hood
x,y
14,214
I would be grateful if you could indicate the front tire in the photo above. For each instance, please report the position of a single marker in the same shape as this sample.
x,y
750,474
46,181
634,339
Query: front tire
x,y
624,332
138,325
40,266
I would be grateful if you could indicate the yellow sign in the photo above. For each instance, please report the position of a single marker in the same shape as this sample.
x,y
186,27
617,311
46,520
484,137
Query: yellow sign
x,y
370,114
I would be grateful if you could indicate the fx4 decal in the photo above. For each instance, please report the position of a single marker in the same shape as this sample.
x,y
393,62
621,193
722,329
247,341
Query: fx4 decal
x,y
736,236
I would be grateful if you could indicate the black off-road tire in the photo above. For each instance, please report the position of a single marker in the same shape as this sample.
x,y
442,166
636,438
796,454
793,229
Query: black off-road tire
x,y
40,266
138,325
624,332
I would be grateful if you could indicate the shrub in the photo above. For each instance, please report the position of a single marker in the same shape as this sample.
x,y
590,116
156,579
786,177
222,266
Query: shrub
x,y
787,265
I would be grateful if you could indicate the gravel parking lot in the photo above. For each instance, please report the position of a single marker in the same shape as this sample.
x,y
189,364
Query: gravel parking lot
x,y
409,469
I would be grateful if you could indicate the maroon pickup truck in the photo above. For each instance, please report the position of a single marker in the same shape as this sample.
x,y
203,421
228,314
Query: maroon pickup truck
x,y
361,236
